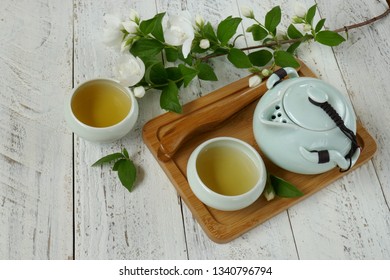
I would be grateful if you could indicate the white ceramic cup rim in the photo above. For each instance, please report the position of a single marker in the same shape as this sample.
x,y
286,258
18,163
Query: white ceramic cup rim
x,y
215,199
102,134
116,84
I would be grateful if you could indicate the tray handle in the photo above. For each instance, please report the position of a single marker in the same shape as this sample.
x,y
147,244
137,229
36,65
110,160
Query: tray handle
x,y
205,119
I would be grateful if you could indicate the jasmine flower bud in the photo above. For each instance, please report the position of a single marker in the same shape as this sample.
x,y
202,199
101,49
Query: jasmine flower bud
x,y
265,72
134,16
297,20
130,26
139,92
204,44
247,12
199,21
306,27
254,81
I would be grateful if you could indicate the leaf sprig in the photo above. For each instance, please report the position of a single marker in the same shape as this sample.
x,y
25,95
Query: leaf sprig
x,y
127,172
149,45
276,186
325,37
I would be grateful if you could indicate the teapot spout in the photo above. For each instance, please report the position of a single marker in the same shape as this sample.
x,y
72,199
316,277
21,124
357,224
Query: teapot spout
x,y
275,115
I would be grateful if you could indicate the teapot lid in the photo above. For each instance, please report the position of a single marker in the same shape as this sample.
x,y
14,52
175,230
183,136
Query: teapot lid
x,y
302,112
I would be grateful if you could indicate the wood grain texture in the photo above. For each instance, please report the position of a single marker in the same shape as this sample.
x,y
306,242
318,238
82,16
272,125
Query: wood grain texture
x,y
368,51
44,52
337,228
112,223
35,146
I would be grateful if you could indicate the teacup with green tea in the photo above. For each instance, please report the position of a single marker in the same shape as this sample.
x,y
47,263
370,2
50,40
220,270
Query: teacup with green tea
x,y
101,110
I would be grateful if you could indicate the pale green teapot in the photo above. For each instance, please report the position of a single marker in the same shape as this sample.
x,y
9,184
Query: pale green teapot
x,y
305,125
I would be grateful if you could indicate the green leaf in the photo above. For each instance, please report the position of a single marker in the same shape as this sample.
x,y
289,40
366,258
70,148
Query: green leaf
x,y
220,51
171,54
146,47
187,60
209,33
206,72
158,32
283,188
319,25
291,49
117,163
108,158
156,74
260,58
311,13
293,32
238,58
258,32
154,26
125,153
272,19
169,99
188,74
127,174
329,38
150,62
285,59
227,28
175,75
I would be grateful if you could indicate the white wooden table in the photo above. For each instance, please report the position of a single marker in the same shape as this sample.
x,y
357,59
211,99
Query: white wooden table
x,y
53,205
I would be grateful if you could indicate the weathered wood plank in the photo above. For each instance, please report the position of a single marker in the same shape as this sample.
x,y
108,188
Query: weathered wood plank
x,y
36,201
350,218
364,61
112,223
347,220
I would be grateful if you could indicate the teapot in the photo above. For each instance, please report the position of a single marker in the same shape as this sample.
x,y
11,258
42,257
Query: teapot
x,y
305,125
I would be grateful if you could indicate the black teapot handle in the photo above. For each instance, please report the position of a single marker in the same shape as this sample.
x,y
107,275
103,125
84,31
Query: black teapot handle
x,y
279,74
332,113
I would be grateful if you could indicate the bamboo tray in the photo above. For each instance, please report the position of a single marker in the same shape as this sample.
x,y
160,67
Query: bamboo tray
x,y
224,226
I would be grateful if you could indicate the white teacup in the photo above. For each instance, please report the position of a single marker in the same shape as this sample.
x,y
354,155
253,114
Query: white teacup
x,y
226,173
101,110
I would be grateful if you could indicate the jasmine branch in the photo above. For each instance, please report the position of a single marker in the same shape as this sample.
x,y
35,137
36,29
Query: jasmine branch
x,y
305,38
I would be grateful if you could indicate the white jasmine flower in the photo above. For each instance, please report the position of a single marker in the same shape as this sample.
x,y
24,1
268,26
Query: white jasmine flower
x,y
204,44
306,27
112,31
130,26
254,81
299,10
129,69
125,46
179,32
134,16
139,92
247,12
199,20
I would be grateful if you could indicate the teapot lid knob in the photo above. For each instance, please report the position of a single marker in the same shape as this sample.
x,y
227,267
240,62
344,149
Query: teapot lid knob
x,y
317,95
